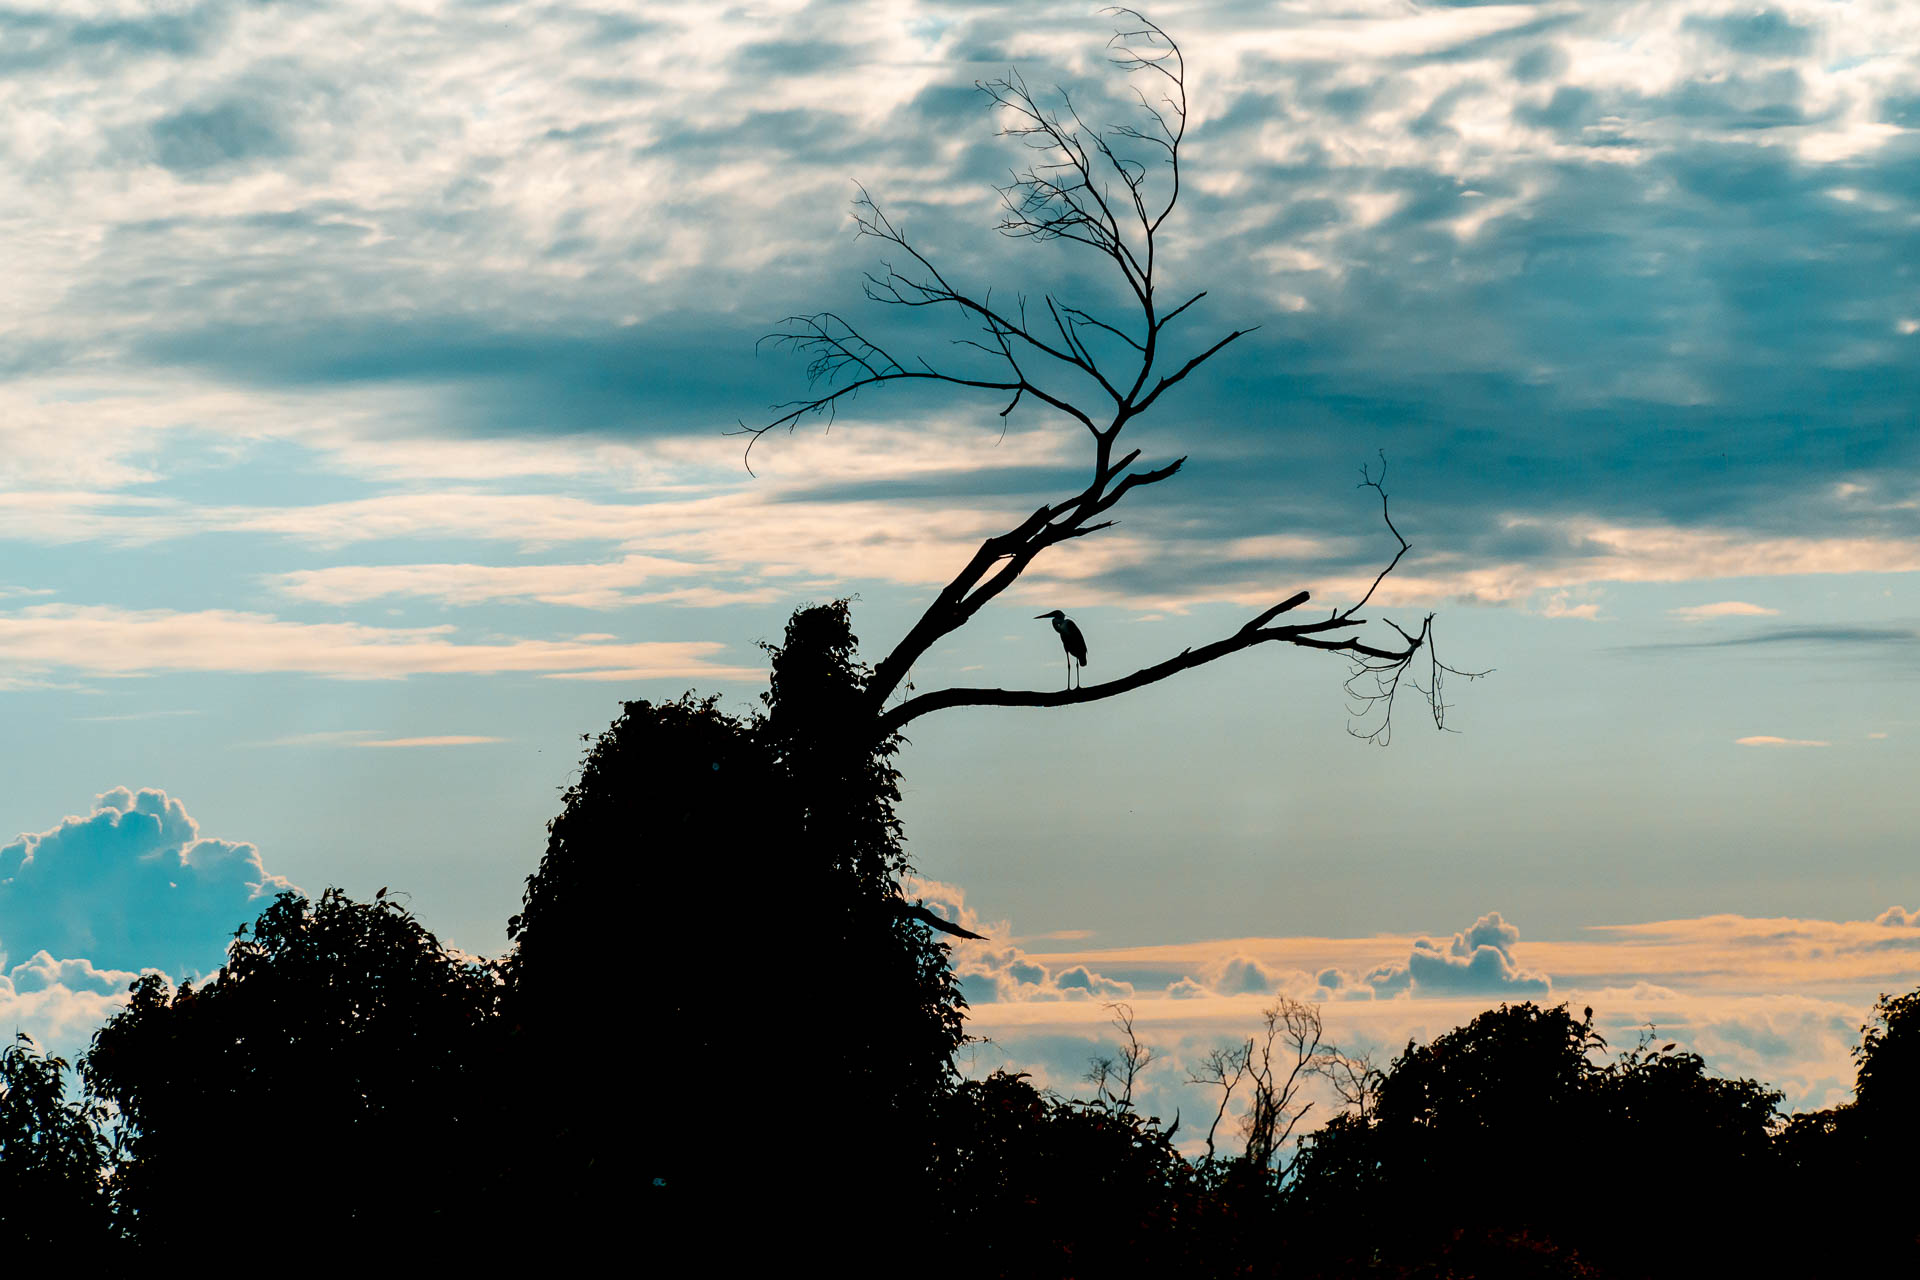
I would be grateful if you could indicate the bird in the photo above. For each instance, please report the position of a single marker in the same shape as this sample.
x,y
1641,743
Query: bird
x,y
1070,639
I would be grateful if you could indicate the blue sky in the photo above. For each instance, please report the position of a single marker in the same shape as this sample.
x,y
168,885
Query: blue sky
x,y
364,371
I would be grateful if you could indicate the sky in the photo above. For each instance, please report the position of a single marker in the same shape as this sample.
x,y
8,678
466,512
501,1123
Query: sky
x,y
366,380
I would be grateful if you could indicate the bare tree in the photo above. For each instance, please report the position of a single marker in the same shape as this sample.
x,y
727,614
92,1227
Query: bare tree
x,y
1354,1079
1277,1080
1223,1068
1107,193
1275,1064
1113,1078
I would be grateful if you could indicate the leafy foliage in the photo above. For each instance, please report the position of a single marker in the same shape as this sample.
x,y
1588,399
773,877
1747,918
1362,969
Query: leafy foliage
x,y
1033,1185
1512,1134
53,1157
342,1051
896,1018
705,851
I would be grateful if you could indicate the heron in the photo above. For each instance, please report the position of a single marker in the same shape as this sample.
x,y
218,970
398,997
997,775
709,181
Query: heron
x,y
1070,639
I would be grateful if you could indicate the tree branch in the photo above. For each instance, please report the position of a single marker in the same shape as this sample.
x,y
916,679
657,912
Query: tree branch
x,y
1307,634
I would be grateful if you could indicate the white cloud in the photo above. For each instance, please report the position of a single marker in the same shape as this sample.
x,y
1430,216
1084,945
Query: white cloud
x,y
1768,740
1723,609
130,885
41,972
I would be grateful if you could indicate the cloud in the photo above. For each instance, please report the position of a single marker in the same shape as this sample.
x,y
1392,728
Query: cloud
x,y
41,972
1560,604
1722,609
1861,637
1765,740
1761,31
132,885
1477,961
1778,999
1243,976
593,586
193,141
996,970
107,641
1727,194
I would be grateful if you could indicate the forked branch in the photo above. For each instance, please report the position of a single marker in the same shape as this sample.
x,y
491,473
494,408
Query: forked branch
x,y
1387,666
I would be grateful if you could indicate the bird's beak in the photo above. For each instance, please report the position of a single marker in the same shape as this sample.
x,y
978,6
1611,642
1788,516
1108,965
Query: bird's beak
x,y
1039,616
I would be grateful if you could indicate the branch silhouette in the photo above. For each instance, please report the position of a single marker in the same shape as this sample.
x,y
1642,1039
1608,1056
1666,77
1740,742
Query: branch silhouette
x,y
1110,192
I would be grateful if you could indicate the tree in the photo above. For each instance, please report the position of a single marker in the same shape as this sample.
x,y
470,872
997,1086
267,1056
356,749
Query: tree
x,y
1854,1162
53,1161
1029,1185
1276,1066
696,849
669,845
1108,194
335,1070
1508,1147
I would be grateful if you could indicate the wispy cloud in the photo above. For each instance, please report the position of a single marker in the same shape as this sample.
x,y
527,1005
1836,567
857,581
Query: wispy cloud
x,y
105,641
372,738
1722,609
1767,740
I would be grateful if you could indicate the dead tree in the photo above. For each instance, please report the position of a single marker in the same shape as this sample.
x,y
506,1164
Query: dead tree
x,y
1354,1079
1113,1078
1108,194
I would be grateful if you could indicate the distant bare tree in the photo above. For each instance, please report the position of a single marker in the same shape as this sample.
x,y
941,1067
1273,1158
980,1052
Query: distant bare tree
x,y
1113,1078
1274,1064
1109,193
1353,1078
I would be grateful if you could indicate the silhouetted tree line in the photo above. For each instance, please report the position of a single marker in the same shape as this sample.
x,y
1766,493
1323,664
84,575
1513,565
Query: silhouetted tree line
x,y
724,1044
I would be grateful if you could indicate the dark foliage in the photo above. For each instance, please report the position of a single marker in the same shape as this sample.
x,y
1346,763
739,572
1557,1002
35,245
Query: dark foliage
x,y
744,843
1509,1144
335,1071
53,1162
1028,1185
1855,1162
892,1017
658,868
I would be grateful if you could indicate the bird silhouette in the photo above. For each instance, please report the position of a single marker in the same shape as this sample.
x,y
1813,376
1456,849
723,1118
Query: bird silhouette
x,y
1070,639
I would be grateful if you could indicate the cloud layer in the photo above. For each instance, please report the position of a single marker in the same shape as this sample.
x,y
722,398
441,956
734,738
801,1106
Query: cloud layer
x,y
1524,248
1780,1000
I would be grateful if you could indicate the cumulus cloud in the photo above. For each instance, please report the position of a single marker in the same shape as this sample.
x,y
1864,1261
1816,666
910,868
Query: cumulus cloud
x,y
41,972
1243,975
1476,961
1899,918
131,885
